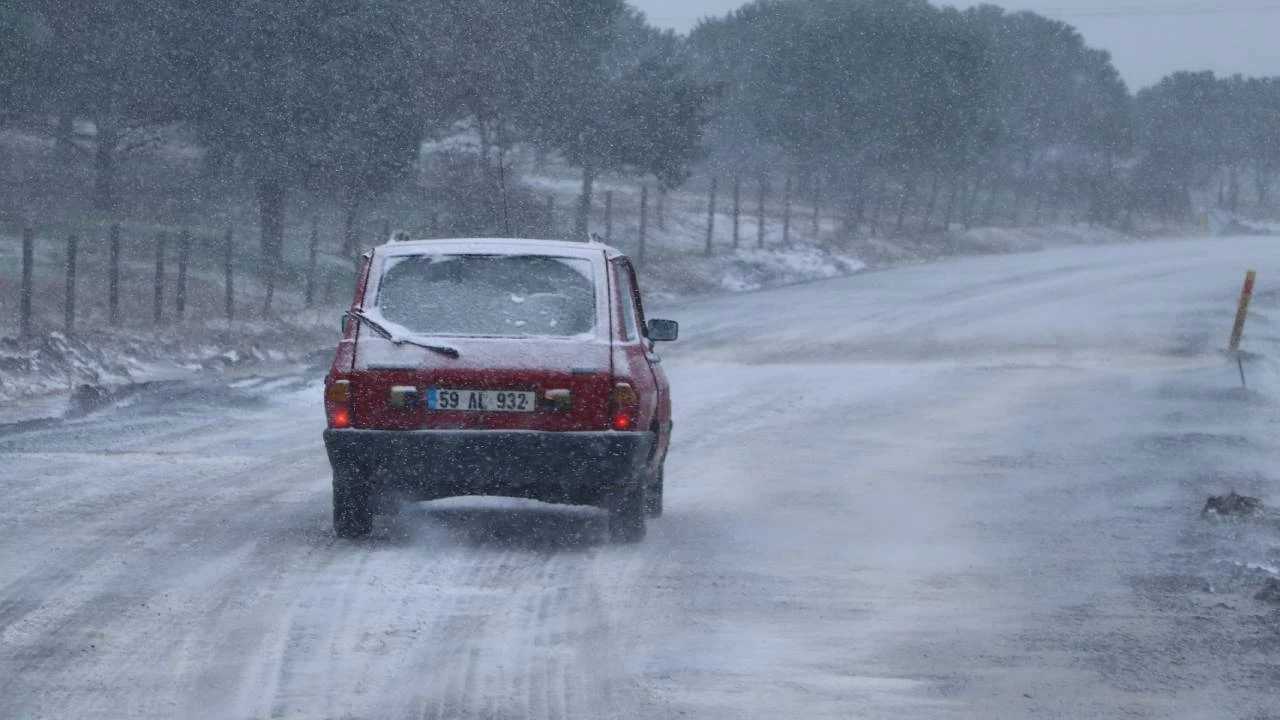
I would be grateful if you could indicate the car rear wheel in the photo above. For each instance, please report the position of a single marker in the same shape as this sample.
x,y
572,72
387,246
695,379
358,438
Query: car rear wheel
x,y
626,515
352,505
653,498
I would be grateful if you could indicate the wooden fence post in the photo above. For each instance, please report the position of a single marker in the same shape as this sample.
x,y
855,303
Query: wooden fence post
x,y
272,270
28,267
662,209
644,222
69,308
113,277
311,264
932,204
711,216
988,212
817,204
737,209
904,201
161,240
228,256
951,207
760,215
551,214
970,191
877,203
608,215
786,212
184,257
1015,209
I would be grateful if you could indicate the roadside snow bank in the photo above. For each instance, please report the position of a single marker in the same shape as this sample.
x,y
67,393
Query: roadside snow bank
x,y
891,250
670,277
55,364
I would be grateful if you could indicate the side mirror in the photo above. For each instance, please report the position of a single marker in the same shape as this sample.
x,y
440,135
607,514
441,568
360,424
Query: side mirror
x,y
662,330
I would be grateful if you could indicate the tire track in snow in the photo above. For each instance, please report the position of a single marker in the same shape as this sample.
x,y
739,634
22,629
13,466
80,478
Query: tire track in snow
x,y
142,518
494,628
119,519
506,640
397,635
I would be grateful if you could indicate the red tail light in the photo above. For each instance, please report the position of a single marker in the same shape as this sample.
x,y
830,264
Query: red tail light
x,y
626,407
337,404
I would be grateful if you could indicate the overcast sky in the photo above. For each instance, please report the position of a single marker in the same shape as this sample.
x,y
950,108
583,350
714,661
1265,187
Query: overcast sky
x,y
1147,38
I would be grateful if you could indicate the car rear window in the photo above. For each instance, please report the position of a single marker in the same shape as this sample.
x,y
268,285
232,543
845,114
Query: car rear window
x,y
489,295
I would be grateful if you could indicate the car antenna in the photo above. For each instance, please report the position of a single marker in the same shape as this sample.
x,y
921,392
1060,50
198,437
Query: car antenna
x,y
502,181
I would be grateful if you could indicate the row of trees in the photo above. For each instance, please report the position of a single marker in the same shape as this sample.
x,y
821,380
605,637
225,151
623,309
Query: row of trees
x,y
1197,130
901,93
337,97
934,108
878,97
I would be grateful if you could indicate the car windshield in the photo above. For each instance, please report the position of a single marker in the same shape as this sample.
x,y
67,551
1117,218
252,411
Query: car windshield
x,y
489,295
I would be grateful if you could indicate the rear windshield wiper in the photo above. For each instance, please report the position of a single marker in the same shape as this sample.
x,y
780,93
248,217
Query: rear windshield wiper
x,y
445,350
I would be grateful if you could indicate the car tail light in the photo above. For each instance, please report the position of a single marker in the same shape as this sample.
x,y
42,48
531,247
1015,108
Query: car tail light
x,y
626,406
337,404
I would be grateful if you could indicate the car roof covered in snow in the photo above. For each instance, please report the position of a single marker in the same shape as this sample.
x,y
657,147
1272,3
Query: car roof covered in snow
x,y
497,246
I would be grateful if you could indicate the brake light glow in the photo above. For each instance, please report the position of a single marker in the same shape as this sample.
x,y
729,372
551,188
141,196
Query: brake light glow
x,y
626,407
337,404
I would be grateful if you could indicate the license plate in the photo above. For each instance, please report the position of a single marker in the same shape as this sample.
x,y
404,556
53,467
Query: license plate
x,y
506,401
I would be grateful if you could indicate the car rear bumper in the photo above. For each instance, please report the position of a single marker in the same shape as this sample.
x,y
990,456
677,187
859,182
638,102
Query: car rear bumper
x,y
574,467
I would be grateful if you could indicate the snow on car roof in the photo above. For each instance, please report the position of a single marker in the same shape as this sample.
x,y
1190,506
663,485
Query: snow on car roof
x,y
498,246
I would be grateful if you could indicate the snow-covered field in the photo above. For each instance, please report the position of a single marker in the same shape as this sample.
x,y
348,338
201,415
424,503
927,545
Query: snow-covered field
x,y
963,489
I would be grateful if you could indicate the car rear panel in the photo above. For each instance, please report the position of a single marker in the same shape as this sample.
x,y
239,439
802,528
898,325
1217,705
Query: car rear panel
x,y
566,467
570,379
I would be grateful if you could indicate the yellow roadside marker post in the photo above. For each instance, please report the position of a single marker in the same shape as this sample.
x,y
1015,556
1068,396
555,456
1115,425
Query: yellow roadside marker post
x,y
1237,332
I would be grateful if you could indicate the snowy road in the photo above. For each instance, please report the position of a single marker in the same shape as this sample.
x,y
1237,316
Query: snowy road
x,y
967,489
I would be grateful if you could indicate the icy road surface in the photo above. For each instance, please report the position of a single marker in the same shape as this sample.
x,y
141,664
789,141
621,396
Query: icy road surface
x,y
961,490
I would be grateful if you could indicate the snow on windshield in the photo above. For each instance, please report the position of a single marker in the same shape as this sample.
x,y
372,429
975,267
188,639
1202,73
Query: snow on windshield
x,y
489,295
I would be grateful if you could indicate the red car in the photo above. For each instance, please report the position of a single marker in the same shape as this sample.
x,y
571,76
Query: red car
x,y
520,368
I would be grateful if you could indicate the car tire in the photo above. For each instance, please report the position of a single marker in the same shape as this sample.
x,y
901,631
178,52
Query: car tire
x,y
352,506
653,498
627,515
